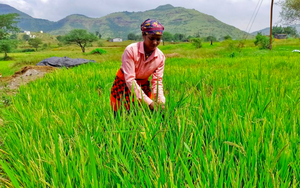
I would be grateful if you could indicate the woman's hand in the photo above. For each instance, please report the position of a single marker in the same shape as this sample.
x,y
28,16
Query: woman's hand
x,y
154,106
151,106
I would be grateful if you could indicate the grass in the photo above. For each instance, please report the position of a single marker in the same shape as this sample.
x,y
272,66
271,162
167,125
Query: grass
x,y
229,122
6,68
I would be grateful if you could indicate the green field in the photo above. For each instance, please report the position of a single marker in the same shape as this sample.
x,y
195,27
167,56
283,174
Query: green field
x,y
6,68
232,119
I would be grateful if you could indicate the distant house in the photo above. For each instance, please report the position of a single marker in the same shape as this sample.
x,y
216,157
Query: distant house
x,y
27,32
32,36
280,36
116,40
41,31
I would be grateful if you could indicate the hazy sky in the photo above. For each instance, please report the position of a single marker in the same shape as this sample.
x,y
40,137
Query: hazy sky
x,y
233,12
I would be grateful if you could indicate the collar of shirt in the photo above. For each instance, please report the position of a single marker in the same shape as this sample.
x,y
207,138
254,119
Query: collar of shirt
x,y
142,51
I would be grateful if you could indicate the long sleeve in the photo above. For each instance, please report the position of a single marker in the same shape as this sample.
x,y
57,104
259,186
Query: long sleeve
x,y
128,67
157,78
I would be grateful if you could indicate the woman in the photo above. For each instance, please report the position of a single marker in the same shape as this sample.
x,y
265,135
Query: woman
x,y
139,61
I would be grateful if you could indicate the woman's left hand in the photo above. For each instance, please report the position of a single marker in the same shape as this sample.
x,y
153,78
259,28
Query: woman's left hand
x,y
151,106
162,106
155,106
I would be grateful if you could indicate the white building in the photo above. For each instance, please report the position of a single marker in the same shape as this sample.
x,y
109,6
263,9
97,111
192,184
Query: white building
x,y
116,40
27,32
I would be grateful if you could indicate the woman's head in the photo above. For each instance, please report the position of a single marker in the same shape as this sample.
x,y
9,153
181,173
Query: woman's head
x,y
151,26
152,32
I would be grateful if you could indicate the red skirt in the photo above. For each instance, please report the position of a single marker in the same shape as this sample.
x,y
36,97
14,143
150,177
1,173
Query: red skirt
x,y
120,94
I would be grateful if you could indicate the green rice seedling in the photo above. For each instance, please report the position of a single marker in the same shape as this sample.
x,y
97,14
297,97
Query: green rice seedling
x,y
229,122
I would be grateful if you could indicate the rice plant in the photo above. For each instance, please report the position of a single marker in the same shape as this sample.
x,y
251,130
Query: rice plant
x,y
229,122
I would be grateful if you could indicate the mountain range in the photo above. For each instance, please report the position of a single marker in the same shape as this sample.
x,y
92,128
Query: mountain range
x,y
189,22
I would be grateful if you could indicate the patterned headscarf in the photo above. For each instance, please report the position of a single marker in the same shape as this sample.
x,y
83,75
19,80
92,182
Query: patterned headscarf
x,y
150,26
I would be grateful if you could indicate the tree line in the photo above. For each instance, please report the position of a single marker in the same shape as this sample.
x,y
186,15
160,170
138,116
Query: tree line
x,y
291,31
178,37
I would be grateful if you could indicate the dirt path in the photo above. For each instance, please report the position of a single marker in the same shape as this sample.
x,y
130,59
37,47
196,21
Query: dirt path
x,y
24,76
10,84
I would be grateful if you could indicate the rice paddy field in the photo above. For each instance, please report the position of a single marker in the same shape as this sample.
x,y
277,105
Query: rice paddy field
x,y
232,119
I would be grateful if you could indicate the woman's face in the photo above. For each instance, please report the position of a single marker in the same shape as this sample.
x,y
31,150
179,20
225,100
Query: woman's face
x,y
151,41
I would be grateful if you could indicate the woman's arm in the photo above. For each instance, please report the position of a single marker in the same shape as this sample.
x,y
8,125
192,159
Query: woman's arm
x,y
128,68
157,83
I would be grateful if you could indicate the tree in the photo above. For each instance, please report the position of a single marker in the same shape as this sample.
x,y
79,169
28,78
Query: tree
x,y
6,45
211,39
290,31
35,43
167,36
227,37
290,11
26,37
179,37
80,37
7,27
98,34
284,30
131,36
277,30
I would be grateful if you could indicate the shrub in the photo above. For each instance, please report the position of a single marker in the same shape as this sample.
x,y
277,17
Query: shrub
x,y
28,50
59,38
98,51
197,42
262,41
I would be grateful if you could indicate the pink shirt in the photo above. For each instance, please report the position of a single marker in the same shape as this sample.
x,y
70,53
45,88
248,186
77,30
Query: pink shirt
x,y
135,66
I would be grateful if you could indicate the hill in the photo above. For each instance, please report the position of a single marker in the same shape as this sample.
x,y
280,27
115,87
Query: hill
x,y
265,31
26,22
175,19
